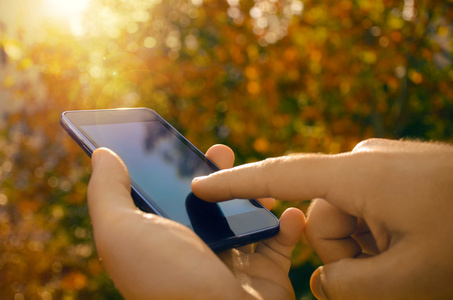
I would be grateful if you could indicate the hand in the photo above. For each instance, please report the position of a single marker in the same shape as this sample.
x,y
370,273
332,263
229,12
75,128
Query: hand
x,y
383,223
149,257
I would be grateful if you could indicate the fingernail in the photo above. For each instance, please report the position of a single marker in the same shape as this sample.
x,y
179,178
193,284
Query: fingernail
x,y
316,284
199,178
96,157
94,160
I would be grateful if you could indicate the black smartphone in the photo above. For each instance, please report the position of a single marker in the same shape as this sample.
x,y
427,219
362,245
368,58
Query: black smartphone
x,y
162,164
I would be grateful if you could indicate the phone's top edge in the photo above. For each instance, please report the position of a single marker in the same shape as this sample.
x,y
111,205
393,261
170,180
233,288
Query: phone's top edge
x,y
105,109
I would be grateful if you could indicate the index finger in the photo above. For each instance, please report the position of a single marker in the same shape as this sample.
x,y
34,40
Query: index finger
x,y
290,178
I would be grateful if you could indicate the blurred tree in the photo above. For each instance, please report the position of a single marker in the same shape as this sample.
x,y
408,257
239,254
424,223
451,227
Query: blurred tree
x,y
266,77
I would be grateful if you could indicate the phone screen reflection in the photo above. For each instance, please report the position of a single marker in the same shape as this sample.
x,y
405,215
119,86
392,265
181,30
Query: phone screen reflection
x,y
163,167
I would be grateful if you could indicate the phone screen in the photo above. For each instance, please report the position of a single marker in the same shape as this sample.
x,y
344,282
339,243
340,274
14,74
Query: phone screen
x,y
162,164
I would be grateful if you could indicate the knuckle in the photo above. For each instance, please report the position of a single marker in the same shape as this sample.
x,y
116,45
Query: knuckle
x,y
368,145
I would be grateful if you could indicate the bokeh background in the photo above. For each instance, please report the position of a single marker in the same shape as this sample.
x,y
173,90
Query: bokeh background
x,y
266,77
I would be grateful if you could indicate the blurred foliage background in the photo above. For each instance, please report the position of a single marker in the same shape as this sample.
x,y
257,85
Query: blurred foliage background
x,y
266,77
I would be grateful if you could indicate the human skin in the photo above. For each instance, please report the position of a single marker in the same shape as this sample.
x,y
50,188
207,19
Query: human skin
x,y
150,257
382,221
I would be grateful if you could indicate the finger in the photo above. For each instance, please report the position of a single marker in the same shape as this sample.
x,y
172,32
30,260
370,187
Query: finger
x,y
367,243
273,255
280,247
267,202
221,155
329,231
109,187
293,178
267,178
365,238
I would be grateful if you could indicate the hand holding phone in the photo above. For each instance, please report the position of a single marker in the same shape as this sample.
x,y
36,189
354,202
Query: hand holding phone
x,y
150,257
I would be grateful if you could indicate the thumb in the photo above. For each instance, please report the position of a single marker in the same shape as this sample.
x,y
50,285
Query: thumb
x,y
384,276
344,279
109,192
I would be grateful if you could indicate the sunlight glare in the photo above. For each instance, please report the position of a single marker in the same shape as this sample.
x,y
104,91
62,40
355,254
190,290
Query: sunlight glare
x,y
68,10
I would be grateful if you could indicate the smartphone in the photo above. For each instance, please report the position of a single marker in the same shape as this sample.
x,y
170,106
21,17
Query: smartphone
x,y
161,165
